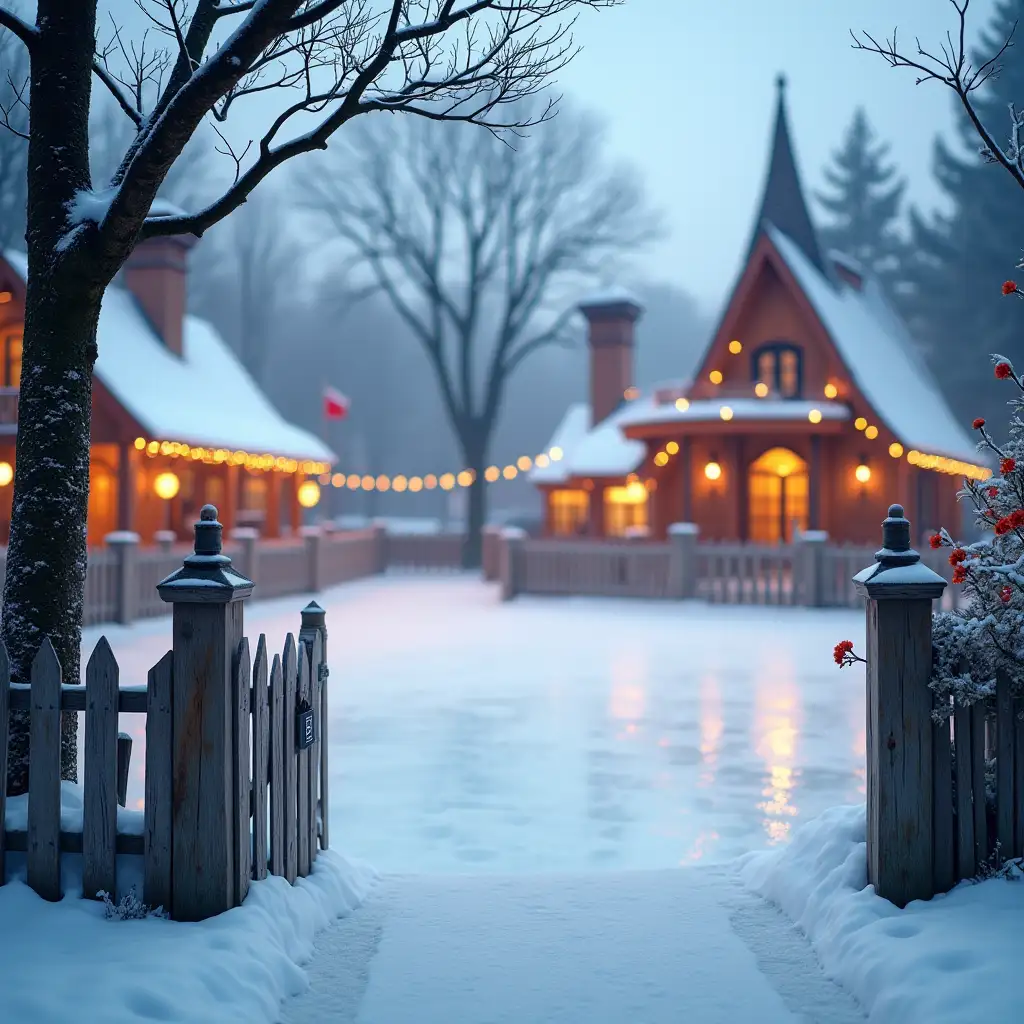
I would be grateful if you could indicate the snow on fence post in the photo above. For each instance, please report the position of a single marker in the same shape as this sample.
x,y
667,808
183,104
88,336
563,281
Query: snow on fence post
x,y
313,539
206,595
313,634
682,560
165,539
124,545
247,537
900,731
511,562
809,566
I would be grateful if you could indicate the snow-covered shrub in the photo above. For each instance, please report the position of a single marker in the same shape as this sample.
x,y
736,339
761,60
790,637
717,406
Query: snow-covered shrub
x,y
128,908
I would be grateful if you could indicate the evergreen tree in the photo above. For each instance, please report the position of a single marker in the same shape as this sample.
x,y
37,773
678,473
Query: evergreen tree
x,y
864,202
949,300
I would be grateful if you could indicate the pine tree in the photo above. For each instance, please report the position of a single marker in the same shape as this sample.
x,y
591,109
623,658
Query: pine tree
x,y
864,202
950,302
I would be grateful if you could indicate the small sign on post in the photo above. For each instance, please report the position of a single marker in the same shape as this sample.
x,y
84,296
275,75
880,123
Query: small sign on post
x,y
305,726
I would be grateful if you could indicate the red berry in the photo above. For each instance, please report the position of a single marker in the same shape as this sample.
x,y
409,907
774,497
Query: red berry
x,y
935,540
959,574
1006,594
978,423
1008,465
1009,287
1003,370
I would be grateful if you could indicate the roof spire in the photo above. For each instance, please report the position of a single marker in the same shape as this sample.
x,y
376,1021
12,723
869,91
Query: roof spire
x,y
783,203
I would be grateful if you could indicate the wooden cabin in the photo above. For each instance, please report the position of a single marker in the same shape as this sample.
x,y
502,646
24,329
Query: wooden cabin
x,y
176,419
811,408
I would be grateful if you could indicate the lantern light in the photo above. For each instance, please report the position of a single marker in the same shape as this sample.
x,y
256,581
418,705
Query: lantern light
x,y
862,473
682,404
715,376
871,432
895,449
672,447
166,485
735,347
713,471
760,389
140,443
6,473
814,416
860,423
831,390
660,459
308,493
725,412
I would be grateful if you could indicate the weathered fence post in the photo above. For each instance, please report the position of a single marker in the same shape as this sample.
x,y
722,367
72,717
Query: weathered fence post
x,y
207,595
810,566
247,537
380,546
682,560
314,624
900,823
490,551
124,544
511,560
165,539
313,539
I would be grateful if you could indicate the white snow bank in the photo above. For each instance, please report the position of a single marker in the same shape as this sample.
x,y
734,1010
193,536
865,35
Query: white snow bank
x,y
72,800
954,958
66,962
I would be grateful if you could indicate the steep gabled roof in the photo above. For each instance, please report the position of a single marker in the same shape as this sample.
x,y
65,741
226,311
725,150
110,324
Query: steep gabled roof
x,y
204,397
783,203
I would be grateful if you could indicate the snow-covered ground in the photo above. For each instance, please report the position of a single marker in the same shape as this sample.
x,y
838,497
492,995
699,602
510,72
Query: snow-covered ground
x,y
565,734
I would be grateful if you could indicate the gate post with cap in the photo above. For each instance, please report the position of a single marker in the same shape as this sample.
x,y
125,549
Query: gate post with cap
x,y
206,596
899,589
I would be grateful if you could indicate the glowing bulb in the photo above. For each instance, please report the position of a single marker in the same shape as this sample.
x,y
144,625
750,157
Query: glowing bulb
x,y
308,493
871,432
491,473
715,376
399,484
524,462
814,415
353,482
631,393
735,347
660,459
713,471
682,404
672,448
831,391
5,297
725,412
430,481
860,423
6,473
862,473
541,461
415,484
895,449
367,482
556,453
509,472
383,483
913,456
338,480
760,389
166,485
447,481
465,478
140,443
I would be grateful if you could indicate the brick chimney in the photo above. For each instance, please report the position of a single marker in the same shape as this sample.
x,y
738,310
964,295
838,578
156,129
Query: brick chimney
x,y
156,274
610,321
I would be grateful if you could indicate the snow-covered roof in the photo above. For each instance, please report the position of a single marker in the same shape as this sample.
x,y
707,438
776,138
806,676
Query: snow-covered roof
x,y
204,397
880,355
568,434
648,410
606,451
610,297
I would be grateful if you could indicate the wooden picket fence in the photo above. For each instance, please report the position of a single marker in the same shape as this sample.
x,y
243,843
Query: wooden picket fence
x,y
729,573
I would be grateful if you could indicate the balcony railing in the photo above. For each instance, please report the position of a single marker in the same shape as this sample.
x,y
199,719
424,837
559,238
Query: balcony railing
x,y
8,410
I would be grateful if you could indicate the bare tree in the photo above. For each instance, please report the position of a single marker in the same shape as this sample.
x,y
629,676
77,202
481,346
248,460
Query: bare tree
x,y
13,141
481,249
327,61
951,65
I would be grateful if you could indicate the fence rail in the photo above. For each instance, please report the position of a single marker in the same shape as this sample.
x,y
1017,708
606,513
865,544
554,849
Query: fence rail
x,y
745,573
603,568
203,834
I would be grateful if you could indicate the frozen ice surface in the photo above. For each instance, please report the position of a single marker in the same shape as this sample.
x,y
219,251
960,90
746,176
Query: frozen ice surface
x,y
563,734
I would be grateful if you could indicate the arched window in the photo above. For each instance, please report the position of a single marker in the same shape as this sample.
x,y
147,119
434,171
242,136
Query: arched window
x,y
779,365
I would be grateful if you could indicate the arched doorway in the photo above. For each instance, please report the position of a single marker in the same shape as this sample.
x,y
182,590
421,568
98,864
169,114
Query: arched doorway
x,y
778,496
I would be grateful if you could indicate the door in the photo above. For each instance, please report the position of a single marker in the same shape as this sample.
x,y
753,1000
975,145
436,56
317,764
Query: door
x,y
778,496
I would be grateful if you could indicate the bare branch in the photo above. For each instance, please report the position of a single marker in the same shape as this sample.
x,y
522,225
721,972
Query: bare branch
x,y
27,33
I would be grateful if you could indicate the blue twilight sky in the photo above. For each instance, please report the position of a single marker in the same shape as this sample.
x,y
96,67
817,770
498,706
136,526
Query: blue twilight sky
x,y
688,89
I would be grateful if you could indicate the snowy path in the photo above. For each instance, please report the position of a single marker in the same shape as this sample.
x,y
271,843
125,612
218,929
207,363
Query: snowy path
x,y
636,948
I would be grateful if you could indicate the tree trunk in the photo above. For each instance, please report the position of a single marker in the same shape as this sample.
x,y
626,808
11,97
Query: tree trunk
x,y
46,559
474,452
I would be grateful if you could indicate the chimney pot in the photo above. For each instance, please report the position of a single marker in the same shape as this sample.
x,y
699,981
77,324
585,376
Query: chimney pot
x,y
610,333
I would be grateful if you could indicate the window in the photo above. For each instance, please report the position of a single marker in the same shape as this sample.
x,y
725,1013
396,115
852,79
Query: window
x,y
780,367
625,509
569,512
11,356
777,497
254,492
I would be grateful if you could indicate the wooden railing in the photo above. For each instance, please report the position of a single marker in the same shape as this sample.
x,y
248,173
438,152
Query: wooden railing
x,y
745,573
600,568
428,551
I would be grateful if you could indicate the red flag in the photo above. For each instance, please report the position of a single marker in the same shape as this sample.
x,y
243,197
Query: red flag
x,y
335,404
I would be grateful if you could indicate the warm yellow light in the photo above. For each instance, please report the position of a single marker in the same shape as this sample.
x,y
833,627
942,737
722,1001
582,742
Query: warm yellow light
x,y
760,389
814,416
415,484
324,479
6,473
631,393
860,423
556,453
465,478
491,473
871,432
509,472
338,480
430,481
153,447
541,461
725,412
383,483
672,448
447,481
634,493
682,404
308,493
735,347
524,462
166,485
660,459
140,443
353,482
715,376
5,297
831,391
713,471
367,482
399,484
895,449
862,473
913,456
